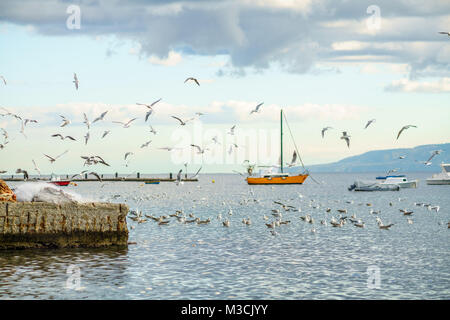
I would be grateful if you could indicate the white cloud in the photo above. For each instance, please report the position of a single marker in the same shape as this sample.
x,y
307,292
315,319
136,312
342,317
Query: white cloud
x,y
172,59
406,85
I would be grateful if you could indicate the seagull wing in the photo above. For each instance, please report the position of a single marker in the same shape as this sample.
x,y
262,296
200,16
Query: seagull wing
x,y
196,174
181,121
155,102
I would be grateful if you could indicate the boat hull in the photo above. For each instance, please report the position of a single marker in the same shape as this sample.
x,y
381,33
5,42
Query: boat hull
x,y
438,181
299,179
152,182
60,183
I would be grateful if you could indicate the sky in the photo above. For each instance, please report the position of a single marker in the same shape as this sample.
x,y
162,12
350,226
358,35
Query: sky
x,y
325,63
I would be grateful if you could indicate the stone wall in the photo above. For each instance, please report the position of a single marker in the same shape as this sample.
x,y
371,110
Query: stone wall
x,y
42,224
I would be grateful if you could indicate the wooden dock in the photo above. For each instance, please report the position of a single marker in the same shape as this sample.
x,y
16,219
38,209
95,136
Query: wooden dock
x,y
90,178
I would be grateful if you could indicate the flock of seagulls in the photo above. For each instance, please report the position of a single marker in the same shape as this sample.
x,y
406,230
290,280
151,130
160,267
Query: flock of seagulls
x,y
346,137
275,215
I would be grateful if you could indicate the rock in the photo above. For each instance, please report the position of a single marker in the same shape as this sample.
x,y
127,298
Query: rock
x,y
6,194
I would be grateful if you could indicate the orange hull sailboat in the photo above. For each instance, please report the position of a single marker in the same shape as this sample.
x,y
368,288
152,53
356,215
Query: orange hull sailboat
x,y
279,177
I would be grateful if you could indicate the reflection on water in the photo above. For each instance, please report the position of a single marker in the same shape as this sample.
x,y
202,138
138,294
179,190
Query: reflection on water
x,y
189,261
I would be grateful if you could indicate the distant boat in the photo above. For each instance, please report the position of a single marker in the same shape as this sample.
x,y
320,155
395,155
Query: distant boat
x,y
270,177
57,181
152,181
399,180
373,186
442,177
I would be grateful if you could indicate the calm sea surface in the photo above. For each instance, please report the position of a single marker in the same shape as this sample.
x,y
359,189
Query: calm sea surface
x,y
190,261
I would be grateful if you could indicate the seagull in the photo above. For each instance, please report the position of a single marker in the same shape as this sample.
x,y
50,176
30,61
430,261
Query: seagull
x,y
196,174
86,138
75,80
294,159
36,167
232,130
128,154
215,139
433,153
105,133
325,129
55,158
404,128
102,116
369,122
125,124
183,123
346,138
192,79
62,137
152,130
169,148
445,32
178,181
199,150
29,121
4,80
65,121
146,144
256,110
402,157
86,121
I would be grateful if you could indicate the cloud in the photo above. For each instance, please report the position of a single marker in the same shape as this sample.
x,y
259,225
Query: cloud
x,y
172,59
406,85
296,35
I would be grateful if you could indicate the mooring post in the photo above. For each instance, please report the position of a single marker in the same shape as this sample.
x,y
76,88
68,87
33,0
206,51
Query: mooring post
x,y
117,175
85,176
138,175
170,176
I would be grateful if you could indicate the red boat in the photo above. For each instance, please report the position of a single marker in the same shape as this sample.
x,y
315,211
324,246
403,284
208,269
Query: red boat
x,y
61,183
56,180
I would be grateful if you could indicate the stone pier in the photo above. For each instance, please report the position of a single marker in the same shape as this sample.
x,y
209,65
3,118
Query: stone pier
x,y
47,225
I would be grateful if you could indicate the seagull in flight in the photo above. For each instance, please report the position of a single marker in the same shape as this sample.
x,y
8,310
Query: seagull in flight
x,y
199,150
86,121
369,123
192,79
125,124
215,140
434,153
325,129
256,110
445,32
183,123
404,128
86,138
346,138
62,137
169,148
75,80
4,80
105,133
232,130
146,144
101,117
127,155
294,159
53,159
65,121
36,167
152,130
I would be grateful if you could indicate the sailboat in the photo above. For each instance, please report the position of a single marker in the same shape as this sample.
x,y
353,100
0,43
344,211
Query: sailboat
x,y
270,177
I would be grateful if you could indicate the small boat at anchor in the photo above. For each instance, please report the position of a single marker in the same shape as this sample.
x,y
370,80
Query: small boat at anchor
x,y
399,180
57,181
442,177
270,177
152,181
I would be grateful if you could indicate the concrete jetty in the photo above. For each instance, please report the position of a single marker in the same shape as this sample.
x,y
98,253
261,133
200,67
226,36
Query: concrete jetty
x,y
47,225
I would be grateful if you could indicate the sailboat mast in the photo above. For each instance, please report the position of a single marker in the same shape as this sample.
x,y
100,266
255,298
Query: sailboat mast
x,y
281,137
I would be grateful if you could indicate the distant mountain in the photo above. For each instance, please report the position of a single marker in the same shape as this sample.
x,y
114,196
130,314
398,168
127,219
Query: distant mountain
x,y
384,160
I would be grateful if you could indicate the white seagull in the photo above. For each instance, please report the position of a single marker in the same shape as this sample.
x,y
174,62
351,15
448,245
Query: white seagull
x,y
125,124
75,80
183,123
192,79
404,128
256,110
53,159
346,138
101,117
325,129
369,122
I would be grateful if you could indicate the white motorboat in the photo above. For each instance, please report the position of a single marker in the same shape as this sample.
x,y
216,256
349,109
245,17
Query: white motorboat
x,y
442,177
401,181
